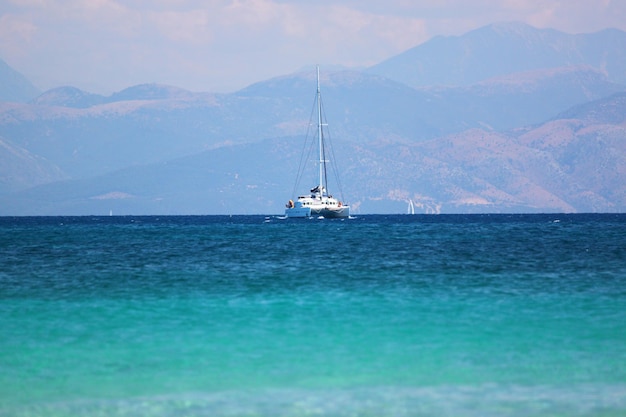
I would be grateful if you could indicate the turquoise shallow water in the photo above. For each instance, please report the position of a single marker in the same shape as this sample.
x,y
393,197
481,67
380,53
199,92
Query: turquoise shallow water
x,y
506,315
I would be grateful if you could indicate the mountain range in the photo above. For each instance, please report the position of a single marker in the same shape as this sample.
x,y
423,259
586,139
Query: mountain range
x,y
506,118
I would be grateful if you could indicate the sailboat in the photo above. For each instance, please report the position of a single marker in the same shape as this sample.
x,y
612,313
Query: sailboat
x,y
411,208
318,202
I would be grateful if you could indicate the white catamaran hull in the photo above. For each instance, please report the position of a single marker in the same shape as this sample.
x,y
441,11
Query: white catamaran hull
x,y
334,213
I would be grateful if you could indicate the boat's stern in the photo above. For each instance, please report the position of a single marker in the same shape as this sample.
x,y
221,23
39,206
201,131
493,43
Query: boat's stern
x,y
298,212
297,209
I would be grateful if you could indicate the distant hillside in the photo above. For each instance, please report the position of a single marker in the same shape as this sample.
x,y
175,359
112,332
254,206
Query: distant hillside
x,y
68,97
76,98
607,110
527,98
86,134
564,165
21,169
14,86
501,49
150,92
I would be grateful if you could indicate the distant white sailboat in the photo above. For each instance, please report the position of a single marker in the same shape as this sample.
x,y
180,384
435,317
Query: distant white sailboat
x,y
411,208
318,202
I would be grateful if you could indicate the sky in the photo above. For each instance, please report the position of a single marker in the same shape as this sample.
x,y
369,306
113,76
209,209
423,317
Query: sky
x,y
220,46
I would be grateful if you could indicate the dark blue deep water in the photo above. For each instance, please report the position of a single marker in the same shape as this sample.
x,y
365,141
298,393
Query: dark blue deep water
x,y
447,315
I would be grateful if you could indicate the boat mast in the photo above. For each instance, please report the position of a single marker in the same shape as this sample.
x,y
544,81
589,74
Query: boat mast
x,y
319,135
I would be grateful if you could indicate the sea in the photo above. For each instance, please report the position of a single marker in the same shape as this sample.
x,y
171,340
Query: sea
x,y
399,315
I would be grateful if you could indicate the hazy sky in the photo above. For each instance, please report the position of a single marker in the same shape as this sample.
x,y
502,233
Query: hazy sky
x,y
103,46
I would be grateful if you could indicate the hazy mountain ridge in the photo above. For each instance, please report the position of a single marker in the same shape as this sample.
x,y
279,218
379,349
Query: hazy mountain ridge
x,y
505,48
68,97
84,140
14,86
550,168
607,110
21,169
73,97
512,142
